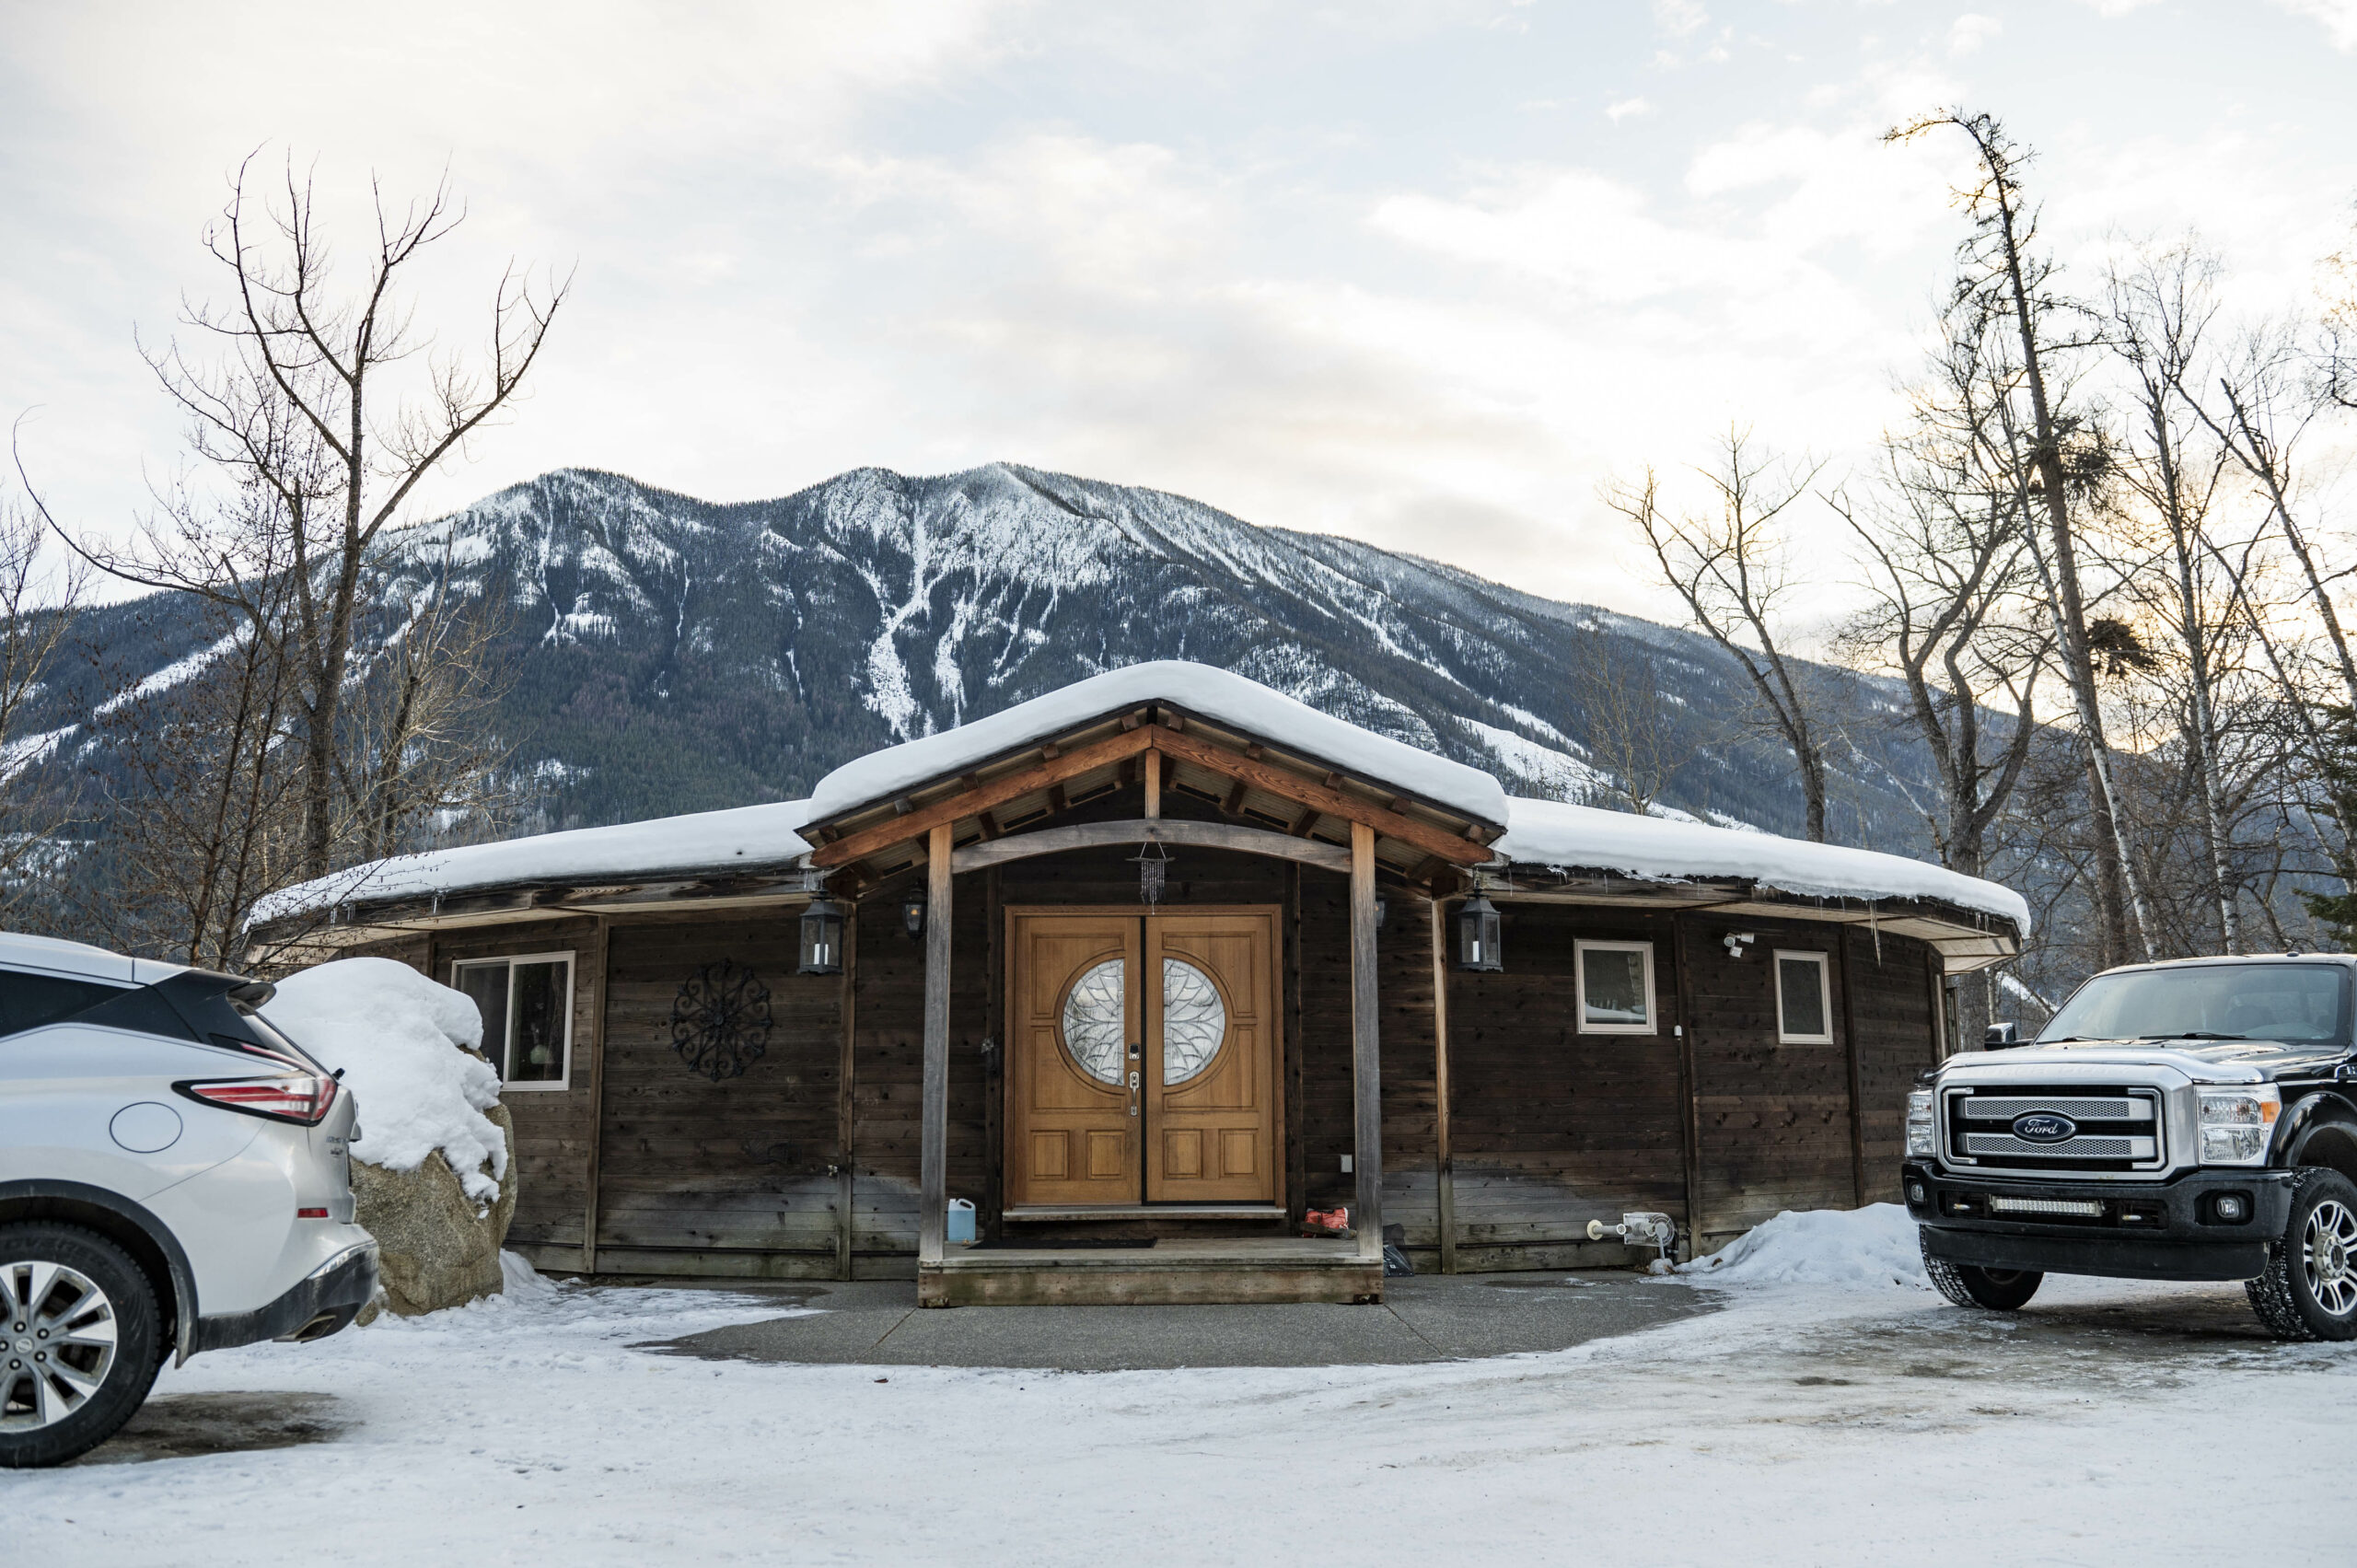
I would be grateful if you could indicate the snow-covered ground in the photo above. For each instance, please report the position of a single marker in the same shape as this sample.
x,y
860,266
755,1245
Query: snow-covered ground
x,y
1805,1423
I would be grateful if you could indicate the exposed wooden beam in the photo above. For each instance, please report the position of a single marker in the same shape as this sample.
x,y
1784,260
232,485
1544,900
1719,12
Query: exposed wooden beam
x,y
1444,1165
1152,764
1097,835
1057,800
995,792
1304,824
989,824
1234,801
1327,798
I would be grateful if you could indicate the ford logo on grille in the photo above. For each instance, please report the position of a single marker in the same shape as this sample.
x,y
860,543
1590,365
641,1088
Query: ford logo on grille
x,y
2044,1126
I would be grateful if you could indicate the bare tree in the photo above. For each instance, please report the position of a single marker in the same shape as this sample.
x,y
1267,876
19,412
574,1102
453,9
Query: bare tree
x,y
36,618
1625,719
1949,580
1730,566
2160,310
305,401
2046,450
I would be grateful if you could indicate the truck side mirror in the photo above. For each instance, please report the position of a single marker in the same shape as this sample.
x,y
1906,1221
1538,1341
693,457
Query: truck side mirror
x,y
1997,1036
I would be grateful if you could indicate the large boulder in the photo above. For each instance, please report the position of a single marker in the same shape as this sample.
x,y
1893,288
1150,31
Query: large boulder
x,y
437,1245
434,1166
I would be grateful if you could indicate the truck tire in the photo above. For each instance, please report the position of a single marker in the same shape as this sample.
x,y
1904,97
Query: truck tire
x,y
80,1341
1967,1284
2309,1289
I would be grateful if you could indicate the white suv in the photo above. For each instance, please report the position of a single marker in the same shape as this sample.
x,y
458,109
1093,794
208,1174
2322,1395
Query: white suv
x,y
174,1178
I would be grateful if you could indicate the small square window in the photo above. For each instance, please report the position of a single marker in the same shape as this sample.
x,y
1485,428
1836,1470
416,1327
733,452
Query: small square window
x,y
1615,987
1803,1011
527,1006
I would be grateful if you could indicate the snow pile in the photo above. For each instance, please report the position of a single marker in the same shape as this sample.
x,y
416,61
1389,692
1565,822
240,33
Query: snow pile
x,y
1219,695
522,1279
701,841
1550,832
1874,1248
405,1045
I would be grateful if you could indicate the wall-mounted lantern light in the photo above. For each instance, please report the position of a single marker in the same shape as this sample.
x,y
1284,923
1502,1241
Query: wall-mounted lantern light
x,y
1479,945
912,915
822,937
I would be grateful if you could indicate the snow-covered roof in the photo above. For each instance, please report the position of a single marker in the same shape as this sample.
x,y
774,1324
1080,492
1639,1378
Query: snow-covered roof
x,y
1218,695
1549,833
1539,832
702,842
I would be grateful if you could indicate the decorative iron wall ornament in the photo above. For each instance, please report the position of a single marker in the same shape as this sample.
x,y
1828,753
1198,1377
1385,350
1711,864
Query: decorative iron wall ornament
x,y
1154,871
720,1020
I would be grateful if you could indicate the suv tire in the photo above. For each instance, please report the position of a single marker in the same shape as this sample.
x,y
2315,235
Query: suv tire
x,y
77,1358
2309,1290
1967,1284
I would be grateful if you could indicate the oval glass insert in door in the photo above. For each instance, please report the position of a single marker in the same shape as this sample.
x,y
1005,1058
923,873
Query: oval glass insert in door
x,y
1094,1020
1194,1022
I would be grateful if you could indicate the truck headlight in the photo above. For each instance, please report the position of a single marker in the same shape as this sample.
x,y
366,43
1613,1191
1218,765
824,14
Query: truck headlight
x,y
1922,1135
2237,1124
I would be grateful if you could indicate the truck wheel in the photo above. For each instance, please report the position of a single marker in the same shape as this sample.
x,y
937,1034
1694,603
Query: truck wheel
x,y
80,1341
1966,1284
2309,1290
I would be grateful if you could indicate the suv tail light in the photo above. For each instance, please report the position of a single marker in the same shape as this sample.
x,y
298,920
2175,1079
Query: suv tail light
x,y
300,1097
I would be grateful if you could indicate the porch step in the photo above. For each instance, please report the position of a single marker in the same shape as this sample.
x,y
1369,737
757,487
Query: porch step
x,y
1037,1212
1176,1272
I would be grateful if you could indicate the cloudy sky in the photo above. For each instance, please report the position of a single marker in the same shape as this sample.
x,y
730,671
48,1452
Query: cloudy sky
x,y
1422,272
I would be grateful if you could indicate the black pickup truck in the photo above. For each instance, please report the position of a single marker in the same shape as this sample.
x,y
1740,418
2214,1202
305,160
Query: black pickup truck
x,y
2187,1121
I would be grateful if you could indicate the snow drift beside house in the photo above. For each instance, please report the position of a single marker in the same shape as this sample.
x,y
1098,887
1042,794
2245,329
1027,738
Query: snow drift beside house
x,y
1874,1248
701,842
405,1045
1550,832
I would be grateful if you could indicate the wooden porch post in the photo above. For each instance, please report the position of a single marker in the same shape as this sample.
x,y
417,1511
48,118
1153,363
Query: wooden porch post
x,y
1442,1158
1366,1063
932,1169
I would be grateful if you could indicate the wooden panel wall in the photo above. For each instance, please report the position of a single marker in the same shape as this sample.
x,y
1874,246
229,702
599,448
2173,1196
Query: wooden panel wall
x,y
1896,1025
735,1173
1552,1128
555,1129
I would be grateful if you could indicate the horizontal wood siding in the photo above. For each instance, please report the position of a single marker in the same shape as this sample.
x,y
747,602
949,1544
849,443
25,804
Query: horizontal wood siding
x,y
1774,1120
1551,1128
1896,1029
553,1127
735,1165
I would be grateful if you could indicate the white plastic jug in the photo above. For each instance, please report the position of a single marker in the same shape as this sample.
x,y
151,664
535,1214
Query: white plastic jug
x,y
961,1221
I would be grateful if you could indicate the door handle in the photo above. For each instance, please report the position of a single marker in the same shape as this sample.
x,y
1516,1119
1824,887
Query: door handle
x,y
1133,1091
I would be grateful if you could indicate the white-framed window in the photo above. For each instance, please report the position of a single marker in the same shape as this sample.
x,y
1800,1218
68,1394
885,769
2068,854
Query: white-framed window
x,y
1615,987
527,1003
1803,1003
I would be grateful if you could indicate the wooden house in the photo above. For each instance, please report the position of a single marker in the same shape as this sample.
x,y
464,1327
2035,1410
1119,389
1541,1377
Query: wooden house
x,y
1143,969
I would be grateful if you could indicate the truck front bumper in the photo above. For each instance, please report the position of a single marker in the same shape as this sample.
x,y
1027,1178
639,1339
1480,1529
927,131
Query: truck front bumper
x,y
2142,1230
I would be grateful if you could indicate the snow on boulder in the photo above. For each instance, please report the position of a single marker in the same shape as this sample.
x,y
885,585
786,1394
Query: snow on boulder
x,y
432,1170
407,1048
1874,1248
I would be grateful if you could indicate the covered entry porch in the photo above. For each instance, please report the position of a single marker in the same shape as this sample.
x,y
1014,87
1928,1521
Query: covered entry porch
x,y
1178,909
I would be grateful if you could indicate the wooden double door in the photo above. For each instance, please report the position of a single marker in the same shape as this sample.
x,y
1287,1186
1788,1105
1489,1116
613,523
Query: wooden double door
x,y
1142,1058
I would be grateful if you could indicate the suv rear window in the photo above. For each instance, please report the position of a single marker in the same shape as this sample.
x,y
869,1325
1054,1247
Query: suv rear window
x,y
29,1000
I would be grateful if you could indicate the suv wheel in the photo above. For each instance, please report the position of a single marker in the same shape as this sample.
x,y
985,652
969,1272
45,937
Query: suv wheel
x,y
2309,1291
1967,1284
79,1341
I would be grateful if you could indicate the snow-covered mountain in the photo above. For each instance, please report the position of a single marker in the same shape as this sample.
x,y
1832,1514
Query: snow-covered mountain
x,y
671,654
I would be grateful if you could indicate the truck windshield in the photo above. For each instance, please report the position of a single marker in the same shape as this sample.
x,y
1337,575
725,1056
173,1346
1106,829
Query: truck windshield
x,y
2296,1002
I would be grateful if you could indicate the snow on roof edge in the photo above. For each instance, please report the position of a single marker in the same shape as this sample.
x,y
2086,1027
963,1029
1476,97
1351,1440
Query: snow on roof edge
x,y
1550,832
740,836
1216,695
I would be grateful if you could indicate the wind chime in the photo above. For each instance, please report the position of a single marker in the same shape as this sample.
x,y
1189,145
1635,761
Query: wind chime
x,y
1154,872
